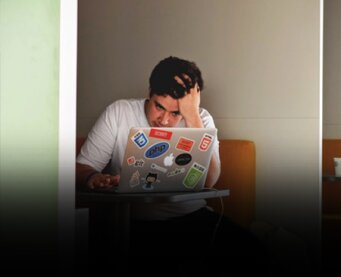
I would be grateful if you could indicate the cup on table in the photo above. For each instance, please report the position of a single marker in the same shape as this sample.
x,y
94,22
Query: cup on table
x,y
337,164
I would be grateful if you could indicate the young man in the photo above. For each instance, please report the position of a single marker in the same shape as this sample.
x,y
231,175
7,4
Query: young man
x,y
185,228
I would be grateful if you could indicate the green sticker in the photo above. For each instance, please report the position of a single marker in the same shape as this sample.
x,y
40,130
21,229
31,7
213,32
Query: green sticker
x,y
193,175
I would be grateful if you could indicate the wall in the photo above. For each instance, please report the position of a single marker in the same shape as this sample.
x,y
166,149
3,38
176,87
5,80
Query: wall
x,y
260,60
29,77
332,69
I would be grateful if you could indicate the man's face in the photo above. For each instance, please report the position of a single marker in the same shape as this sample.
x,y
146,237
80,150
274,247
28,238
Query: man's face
x,y
163,111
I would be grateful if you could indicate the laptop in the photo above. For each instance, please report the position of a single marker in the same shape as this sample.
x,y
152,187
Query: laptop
x,y
166,159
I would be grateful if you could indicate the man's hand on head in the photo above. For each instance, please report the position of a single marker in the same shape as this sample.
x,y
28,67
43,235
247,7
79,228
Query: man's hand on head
x,y
189,104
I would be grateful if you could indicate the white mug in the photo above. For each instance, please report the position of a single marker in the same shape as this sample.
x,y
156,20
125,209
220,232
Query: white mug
x,y
337,164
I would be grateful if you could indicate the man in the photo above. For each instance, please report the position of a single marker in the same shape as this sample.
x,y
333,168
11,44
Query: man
x,y
174,101
175,87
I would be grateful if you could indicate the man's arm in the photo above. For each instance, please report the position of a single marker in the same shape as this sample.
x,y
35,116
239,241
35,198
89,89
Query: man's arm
x,y
189,109
213,172
88,177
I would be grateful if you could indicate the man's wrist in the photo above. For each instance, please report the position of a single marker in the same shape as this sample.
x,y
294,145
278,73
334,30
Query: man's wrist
x,y
89,176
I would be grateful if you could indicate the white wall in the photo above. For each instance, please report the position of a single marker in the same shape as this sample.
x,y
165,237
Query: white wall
x,y
260,61
332,69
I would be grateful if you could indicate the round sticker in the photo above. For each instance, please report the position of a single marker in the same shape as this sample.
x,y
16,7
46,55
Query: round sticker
x,y
156,150
183,159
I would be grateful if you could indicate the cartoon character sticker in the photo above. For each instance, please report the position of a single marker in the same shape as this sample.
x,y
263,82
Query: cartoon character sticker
x,y
140,139
194,175
150,180
205,142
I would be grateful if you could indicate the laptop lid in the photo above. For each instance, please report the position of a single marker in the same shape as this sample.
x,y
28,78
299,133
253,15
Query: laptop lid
x,y
166,159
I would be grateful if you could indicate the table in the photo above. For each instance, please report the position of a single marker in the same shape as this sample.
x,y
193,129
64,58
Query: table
x,y
113,210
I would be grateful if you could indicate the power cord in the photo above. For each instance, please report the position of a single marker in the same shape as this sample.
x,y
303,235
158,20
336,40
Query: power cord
x,y
219,219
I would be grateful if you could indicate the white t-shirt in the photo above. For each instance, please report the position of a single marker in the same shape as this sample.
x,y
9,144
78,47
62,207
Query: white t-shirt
x,y
107,141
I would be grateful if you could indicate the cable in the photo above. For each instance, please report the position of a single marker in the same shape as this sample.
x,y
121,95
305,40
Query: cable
x,y
219,219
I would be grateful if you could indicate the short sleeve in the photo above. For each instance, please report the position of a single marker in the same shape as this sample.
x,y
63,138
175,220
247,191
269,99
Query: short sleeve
x,y
98,147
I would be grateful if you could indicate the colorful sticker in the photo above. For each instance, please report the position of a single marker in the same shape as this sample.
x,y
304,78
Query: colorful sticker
x,y
183,159
159,168
131,160
194,175
150,180
135,179
161,134
168,160
140,139
175,172
205,142
139,163
185,144
156,150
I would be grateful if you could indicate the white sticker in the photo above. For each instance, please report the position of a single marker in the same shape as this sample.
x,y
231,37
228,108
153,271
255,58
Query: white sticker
x,y
159,168
168,161
135,179
176,171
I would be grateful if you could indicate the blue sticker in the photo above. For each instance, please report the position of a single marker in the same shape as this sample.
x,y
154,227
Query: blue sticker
x,y
140,139
156,150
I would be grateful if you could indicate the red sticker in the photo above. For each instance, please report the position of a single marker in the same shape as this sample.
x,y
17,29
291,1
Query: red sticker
x,y
185,144
205,142
161,134
131,160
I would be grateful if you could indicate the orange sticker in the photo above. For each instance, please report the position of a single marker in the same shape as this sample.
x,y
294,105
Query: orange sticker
x,y
185,144
205,142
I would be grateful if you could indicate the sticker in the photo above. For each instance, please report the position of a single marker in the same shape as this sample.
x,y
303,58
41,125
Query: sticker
x,y
149,181
183,159
193,175
135,179
140,139
159,168
168,161
131,160
185,144
161,134
139,163
156,150
205,142
176,171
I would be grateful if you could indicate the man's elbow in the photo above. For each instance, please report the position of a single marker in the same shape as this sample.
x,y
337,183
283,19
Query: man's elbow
x,y
213,178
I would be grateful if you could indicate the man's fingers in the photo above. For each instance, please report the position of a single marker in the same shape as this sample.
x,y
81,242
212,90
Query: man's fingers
x,y
103,181
114,180
180,90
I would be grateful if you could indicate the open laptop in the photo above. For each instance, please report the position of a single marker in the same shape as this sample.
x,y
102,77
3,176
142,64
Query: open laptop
x,y
166,159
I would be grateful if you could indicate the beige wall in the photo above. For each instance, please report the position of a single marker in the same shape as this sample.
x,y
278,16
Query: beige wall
x,y
260,60
332,69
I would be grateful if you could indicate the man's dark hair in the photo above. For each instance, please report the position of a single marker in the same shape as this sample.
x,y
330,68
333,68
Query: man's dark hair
x,y
162,82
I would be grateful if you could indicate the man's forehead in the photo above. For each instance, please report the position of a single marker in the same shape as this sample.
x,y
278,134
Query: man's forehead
x,y
167,102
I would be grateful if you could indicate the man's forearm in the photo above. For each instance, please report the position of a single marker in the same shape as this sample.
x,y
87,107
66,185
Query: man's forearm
x,y
83,174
